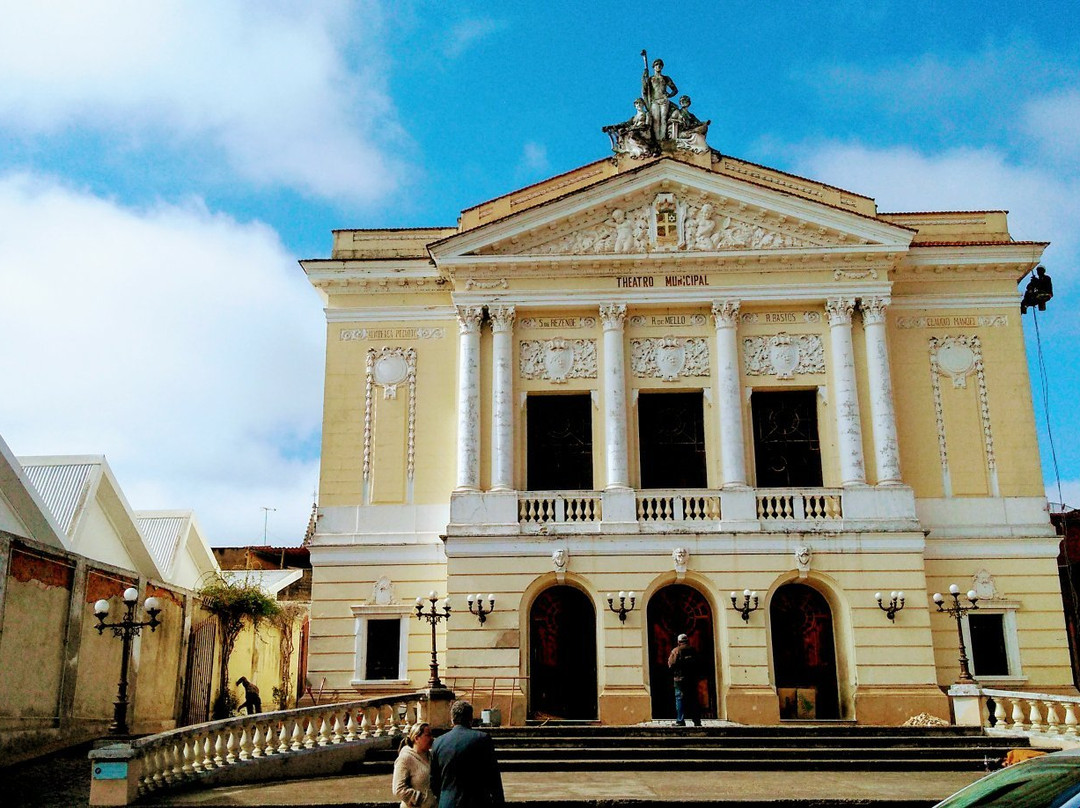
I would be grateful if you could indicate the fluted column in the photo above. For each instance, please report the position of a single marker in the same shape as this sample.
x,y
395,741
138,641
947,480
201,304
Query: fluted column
x,y
846,395
613,317
882,414
502,398
468,398
728,397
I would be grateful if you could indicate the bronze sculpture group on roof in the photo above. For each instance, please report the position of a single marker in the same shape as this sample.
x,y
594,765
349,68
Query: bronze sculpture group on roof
x,y
658,125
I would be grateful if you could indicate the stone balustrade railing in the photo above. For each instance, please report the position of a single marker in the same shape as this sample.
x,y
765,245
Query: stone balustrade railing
x,y
1039,713
734,510
207,752
1047,719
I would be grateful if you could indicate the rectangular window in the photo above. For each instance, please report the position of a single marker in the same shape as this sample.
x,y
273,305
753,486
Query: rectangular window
x,y
383,649
989,653
559,435
787,450
671,434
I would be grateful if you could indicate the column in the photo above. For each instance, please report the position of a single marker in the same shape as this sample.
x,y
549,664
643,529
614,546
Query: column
x,y
848,423
502,398
728,394
614,385
468,398
882,415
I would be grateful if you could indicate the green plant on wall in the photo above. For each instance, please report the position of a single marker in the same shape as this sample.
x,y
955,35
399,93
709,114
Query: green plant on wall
x,y
233,602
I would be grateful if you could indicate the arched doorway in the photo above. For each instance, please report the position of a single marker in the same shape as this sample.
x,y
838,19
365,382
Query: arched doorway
x,y
804,653
562,655
680,609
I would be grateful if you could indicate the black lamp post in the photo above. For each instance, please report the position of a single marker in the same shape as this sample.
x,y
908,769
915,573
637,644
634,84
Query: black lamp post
x,y
433,616
957,610
127,628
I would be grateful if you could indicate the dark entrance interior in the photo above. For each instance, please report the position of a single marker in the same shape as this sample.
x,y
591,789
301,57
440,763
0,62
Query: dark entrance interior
x,y
787,451
562,655
804,654
671,434
559,434
674,610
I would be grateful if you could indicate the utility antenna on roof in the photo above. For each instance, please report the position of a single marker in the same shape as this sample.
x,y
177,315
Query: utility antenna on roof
x,y
266,516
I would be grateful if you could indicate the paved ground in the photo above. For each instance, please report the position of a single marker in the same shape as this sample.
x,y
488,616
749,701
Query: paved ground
x,y
62,780
676,787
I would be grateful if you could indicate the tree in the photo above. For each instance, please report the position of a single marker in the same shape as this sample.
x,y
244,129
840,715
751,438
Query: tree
x,y
232,602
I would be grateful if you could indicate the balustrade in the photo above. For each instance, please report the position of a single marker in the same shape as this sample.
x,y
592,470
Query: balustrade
x,y
190,753
540,507
1031,713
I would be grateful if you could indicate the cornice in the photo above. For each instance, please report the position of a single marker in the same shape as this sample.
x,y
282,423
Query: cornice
x,y
383,315
525,299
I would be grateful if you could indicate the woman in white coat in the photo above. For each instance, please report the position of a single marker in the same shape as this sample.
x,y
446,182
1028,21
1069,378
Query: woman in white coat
x,y
412,769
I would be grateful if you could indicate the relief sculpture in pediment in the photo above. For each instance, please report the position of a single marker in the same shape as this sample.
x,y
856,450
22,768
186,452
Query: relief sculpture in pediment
x,y
702,226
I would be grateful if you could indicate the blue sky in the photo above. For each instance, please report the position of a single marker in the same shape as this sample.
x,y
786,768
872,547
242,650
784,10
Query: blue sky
x,y
164,165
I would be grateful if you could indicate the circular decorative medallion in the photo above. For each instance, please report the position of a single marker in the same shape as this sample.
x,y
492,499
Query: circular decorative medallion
x,y
391,369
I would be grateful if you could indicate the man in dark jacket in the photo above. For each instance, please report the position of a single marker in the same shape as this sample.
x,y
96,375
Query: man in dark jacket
x,y
683,665
464,771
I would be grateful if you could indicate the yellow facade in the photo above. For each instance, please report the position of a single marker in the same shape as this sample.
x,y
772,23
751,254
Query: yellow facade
x,y
627,279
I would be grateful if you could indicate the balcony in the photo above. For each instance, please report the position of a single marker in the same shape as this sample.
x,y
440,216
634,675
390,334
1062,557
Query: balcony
x,y
763,510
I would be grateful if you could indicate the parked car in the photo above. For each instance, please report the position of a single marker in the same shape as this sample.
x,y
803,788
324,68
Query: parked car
x,y
1050,781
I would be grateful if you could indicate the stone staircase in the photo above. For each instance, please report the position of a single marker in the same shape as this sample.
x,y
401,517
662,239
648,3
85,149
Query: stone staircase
x,y
842,747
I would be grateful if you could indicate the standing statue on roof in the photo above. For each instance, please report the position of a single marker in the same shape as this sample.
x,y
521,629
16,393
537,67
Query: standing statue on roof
x,y
657,90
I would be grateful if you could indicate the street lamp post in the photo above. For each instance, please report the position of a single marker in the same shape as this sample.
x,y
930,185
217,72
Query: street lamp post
x,y
126,628
433,616
957,610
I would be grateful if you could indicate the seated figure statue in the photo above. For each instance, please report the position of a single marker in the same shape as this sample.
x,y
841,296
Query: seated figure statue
x,y
687,130
1039,290
633,137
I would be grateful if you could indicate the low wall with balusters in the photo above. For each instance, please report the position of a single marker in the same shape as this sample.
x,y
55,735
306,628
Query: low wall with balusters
x,y
305,742
1047,719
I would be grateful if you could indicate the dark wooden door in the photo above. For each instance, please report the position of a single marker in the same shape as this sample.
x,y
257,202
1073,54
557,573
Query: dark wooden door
x,y
671,434
562,655
674,610
804,653
559,434
787,450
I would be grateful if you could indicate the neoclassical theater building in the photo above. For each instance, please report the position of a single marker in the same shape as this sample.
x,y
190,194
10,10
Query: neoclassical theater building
x,y
680,376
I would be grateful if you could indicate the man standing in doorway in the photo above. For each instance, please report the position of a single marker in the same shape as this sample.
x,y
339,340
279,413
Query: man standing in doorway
x,y
683,665
464,771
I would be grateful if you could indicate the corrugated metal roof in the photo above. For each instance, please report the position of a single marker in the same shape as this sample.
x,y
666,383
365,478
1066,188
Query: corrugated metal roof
x,y
63,488
162,535
269,581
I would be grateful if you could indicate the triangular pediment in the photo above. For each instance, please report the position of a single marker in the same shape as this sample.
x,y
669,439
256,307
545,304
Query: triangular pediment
x,y
669,207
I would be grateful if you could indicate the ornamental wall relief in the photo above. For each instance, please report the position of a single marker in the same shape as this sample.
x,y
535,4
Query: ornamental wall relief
x,y
783,355
557,360
959,358
669,222
389,368
669,357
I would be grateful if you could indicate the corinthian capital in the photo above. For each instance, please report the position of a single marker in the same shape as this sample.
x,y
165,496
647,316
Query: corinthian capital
x,y
839,309
469,318
502,318
613,315
873,309
725,313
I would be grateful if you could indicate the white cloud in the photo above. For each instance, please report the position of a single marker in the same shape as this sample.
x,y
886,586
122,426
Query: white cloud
x,y
180,343
1043,203
467,33
268,87
1053,121
534,159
